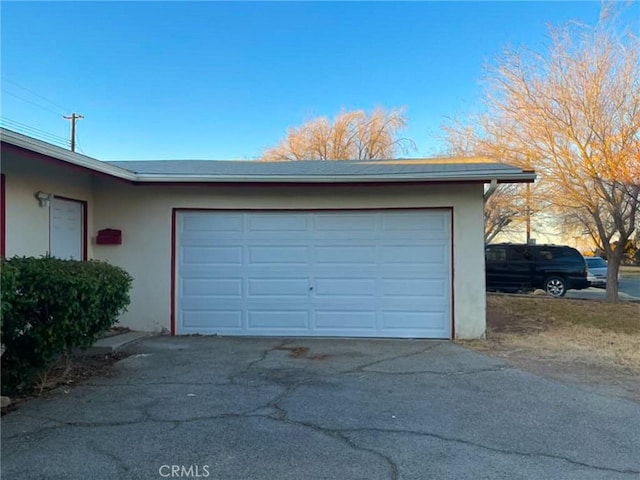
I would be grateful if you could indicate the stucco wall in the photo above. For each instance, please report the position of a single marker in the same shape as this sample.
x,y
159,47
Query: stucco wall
x,y
143,213
27,223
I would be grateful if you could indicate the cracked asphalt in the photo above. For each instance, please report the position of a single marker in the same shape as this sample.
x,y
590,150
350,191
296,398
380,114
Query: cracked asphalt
x,y
260,408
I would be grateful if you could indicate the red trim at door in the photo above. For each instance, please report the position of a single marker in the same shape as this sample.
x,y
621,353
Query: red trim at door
x,y
175,211
3,218
85,225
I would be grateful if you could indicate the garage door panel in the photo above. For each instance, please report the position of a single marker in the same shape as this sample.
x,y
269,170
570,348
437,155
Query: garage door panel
x,y
345,225
341,320
280,320
341,273
206,271
418,222
327,288
197,255
415,220
413,288
346,255
208,287
194,321
212,223
286,222
403,320
413,254
202,303
278,287
280,255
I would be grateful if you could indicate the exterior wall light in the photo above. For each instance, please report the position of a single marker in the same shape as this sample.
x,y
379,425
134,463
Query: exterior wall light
x,y
44,198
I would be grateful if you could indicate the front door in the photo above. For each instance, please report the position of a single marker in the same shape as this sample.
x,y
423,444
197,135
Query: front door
x,y
66,229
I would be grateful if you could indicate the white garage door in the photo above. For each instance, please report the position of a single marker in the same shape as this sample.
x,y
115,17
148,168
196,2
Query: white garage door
x,y
330,273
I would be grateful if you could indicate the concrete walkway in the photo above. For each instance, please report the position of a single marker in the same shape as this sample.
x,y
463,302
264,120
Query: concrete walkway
x,y
241,408
114,343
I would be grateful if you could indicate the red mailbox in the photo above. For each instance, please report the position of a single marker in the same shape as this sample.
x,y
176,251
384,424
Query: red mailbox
x,y
109,236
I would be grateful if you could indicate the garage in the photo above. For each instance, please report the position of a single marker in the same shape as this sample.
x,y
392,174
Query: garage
x,y
384,248
348,273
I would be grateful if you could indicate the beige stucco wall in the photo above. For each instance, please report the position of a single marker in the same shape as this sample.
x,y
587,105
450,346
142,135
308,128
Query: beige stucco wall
x,y
143,213
27,224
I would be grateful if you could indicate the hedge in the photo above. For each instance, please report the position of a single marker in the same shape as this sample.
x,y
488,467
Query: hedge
x,y
51,306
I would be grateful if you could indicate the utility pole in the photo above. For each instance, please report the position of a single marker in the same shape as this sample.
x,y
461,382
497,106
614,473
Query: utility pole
x,y
528,206
528,213
73,119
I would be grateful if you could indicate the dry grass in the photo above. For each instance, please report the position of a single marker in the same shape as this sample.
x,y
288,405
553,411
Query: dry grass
x,y
630,270
563,331
509,312
579,344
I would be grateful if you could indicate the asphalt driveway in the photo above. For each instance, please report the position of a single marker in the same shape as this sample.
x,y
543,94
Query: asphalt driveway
x,y
239,408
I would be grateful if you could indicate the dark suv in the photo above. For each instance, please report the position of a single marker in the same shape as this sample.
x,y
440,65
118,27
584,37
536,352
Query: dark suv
x,y
512,267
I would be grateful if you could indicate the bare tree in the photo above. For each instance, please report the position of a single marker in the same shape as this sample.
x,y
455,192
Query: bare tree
x,y
503,210
512,207
354,135
573,112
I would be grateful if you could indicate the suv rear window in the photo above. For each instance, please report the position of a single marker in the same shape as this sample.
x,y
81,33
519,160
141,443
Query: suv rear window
x,y
546,254
555,253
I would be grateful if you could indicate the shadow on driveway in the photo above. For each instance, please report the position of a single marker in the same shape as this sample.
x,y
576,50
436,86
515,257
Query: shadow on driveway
x,y
243,408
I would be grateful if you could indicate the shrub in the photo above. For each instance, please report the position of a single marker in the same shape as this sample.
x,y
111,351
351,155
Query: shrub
x,y
7,290
50,306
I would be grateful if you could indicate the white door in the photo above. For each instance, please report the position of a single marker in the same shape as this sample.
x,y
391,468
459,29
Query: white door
x,y
66,232
328,273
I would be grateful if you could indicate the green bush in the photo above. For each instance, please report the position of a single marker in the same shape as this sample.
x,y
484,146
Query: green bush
x,y
7,290
50,306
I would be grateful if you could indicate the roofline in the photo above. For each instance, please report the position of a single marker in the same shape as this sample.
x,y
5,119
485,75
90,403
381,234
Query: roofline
x,y
399,178
75,159
66,156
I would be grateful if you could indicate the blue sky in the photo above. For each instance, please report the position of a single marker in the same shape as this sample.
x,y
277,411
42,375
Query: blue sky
x,y
160,80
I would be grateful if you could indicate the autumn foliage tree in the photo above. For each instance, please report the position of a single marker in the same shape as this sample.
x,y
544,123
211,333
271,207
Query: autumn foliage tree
x,y
351,135
503,210
511,205
572,112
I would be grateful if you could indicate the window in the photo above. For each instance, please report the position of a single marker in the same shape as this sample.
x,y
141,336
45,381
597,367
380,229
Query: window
x,y
496,254
519,254
546,255
596,262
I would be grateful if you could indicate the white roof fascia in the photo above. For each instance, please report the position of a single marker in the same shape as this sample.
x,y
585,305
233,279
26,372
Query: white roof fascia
x,y
63,155
448,177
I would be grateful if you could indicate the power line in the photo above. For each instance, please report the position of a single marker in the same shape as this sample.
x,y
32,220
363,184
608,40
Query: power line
x,y
32,103
78,146
33,131
35,93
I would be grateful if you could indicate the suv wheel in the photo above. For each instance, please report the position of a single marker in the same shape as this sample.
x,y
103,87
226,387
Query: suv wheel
x,y
555,286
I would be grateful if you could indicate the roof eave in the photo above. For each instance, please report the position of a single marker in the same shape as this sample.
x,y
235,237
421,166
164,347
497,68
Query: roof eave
x,y
484,178
58,153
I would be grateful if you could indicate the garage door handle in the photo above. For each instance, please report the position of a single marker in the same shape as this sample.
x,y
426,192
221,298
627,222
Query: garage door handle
x,y
310,288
